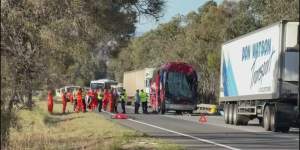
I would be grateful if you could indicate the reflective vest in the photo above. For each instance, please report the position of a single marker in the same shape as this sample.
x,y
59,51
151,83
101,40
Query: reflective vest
x,y
123,97
143,96
100,96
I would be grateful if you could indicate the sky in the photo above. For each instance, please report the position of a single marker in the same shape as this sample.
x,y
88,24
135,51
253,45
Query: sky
x,y
172,8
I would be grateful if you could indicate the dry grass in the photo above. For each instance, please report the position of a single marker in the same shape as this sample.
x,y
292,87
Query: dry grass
x,y
40,130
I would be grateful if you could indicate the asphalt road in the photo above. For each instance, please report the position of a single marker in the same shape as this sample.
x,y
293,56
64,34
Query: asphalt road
x,y
187,131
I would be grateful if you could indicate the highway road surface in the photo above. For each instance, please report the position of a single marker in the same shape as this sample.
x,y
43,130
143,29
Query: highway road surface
x,y
187,131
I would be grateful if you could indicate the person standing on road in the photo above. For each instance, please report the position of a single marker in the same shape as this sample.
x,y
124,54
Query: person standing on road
x,y
105,99
94,100
115,100
79,101
137,102
100,98
64,101
84,93
75,100
123,97
143,96
50,101
69,96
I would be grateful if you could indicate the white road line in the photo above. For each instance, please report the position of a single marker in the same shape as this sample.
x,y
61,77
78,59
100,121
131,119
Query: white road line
x,y
218,125
186,135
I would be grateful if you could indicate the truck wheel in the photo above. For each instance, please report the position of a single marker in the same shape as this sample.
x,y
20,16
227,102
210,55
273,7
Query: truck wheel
x,y
178,112
285,129
230,114
275,120
267,118
226,113
236,116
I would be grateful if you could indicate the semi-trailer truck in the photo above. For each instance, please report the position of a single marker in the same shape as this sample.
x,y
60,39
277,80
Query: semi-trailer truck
x,y
259,77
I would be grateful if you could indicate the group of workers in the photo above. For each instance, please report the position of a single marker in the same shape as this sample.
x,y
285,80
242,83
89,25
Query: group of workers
x,y
99,99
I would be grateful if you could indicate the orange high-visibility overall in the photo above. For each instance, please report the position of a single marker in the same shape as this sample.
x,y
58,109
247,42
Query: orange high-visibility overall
x,y
79,102
50,102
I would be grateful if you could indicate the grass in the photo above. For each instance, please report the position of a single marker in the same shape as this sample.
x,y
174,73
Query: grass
x,y
40,130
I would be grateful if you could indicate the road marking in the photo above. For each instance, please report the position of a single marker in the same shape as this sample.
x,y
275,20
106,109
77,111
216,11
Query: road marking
x,y
186,135
218,125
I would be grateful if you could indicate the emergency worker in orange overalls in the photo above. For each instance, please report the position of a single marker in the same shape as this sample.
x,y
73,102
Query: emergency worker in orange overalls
x,y
64,100
70,96
79,101
105,99
50,101
94,102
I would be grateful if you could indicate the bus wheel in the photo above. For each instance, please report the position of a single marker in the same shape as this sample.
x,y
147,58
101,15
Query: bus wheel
x,y
163,108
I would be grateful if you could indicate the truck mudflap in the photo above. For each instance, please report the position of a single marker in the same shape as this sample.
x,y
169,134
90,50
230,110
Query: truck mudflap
x,y
180,107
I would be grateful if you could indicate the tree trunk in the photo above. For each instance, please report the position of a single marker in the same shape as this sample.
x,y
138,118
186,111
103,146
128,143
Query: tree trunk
x,y
29,91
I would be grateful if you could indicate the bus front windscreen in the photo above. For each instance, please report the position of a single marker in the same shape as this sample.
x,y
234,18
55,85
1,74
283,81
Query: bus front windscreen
x,y
178,85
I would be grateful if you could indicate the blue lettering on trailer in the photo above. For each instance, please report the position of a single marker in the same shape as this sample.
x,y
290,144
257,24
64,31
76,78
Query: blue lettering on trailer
x,y
261,48
246,53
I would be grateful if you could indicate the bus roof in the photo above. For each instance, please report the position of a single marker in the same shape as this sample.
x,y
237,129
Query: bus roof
x,y
72,86
178,67
104,81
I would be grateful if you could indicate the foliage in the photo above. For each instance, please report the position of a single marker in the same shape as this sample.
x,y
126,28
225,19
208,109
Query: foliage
x,y
49,43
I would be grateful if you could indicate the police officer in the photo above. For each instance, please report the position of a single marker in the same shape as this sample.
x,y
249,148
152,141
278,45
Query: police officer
x,y
100,98
143,96
123,97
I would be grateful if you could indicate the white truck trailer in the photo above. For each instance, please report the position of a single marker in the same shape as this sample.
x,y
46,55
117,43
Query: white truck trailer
x,y
137,79
260,75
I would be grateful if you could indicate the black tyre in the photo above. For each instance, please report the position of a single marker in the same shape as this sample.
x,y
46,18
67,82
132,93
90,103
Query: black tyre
x,y
163,108
236,116
274,125
230,113
178,112
267,118
273,119
284,129
226,113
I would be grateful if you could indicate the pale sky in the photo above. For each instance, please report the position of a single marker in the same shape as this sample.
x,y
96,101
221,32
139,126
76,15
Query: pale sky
x,y
172,8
